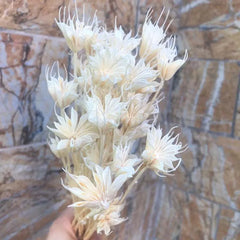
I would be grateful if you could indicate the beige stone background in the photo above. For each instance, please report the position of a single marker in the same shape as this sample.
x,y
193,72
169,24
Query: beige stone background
x,y
202,200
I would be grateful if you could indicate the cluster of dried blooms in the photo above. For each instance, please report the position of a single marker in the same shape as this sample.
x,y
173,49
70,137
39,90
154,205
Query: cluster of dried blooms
x,y
108,105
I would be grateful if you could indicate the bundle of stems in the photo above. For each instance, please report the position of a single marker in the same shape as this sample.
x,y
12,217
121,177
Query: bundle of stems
x,y
110,102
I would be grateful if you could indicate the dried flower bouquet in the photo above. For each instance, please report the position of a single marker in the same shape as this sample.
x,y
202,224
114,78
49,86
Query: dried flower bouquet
x,y
109,104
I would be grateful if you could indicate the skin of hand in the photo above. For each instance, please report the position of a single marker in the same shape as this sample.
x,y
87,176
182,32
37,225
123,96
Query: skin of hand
x,y
61,228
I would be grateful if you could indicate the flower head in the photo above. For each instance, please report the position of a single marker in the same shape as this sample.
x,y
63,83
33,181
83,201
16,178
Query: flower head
x,y
63,92
160,152
85,78
53,144
109,66
108,218
78,34
166,64
123,162
138,111
74,133
98,194
140,78
103,114
118,39
152,37
130,134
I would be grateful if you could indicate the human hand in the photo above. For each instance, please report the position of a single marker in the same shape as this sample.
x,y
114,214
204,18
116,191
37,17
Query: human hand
x,y
61,228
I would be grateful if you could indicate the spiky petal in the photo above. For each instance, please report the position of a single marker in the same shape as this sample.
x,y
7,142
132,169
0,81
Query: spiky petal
x,y
160,151
98,194
73,132
166,63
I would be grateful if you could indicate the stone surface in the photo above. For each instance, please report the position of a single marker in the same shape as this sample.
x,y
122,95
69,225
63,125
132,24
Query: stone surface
x,y
31,16
181,211
23,87
177,215
210,168
195,13
204,95
168,213
220,44
170,12
107,10
31,193
229,225
39,16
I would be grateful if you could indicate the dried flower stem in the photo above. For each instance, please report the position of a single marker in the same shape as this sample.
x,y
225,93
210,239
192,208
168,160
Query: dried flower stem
x,y
157,92
62,111
102,143
90,233
75,65
134,181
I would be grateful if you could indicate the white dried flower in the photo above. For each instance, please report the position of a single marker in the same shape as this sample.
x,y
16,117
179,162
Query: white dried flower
x,y
160,152
92,154
118,39
109,66
115,94
63,92
104,114
99,194
53,143
152,38
78,34
140,78
130,134
166,64
124,162
108,218
139,110
73,132
85,79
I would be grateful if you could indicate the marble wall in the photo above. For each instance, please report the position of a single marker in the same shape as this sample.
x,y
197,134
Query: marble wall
x,y
202,200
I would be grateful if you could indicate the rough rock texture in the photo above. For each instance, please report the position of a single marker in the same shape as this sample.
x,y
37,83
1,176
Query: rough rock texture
x,y
202,200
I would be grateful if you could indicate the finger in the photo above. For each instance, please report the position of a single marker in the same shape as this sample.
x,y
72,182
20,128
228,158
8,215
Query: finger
x,y
62,227
68,214
95,236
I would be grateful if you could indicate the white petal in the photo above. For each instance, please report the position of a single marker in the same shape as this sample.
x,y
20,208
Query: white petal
x,y
172,68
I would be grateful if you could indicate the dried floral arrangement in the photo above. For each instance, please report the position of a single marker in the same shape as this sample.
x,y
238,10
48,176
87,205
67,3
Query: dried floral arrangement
x,y
110,102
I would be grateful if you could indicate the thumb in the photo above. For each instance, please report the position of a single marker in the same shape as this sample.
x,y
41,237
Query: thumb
x,y
61,228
